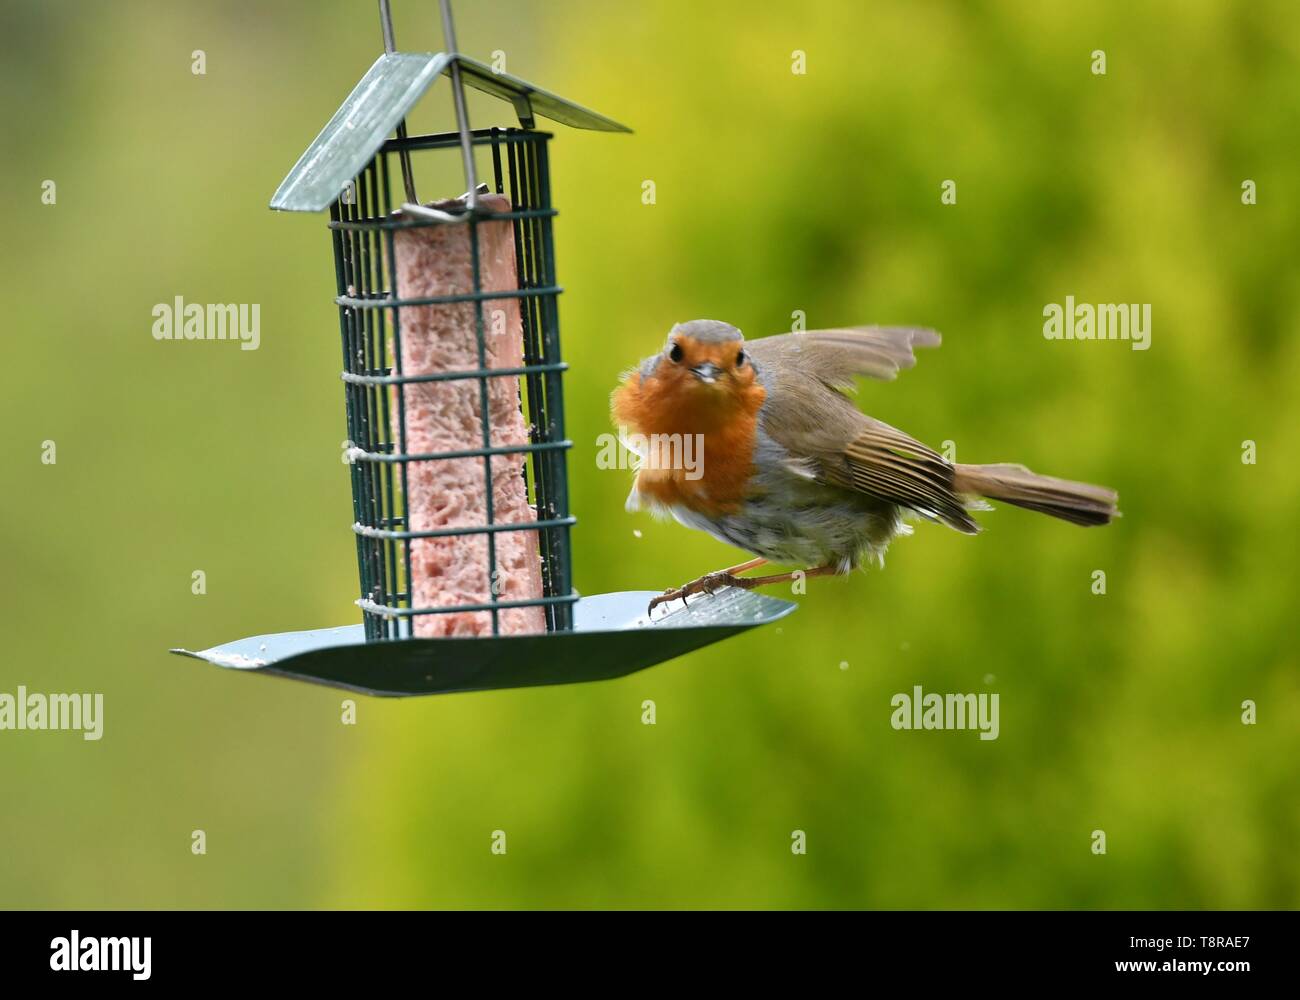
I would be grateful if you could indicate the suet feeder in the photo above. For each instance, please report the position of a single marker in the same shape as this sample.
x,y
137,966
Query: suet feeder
x,y
452,375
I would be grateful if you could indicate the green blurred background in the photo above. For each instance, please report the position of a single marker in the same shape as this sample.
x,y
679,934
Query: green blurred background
x,y
775,192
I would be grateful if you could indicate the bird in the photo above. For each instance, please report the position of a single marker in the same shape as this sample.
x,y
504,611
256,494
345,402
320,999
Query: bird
x,y
787,468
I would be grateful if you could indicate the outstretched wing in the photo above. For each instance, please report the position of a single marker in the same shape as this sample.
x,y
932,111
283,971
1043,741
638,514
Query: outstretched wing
x,y
836,356
828,437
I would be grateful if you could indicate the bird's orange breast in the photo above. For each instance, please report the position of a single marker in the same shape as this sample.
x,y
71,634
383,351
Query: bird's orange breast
x,y
722,428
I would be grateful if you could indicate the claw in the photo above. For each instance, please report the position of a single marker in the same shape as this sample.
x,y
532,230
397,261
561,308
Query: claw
x,y
671,594
709,584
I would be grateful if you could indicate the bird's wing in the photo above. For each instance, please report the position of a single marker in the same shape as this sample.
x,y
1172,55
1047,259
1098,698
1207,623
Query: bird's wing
x,y
836,356
886,463
826,436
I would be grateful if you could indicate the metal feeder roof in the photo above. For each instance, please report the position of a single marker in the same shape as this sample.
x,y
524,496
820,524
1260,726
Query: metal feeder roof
x,y
386,94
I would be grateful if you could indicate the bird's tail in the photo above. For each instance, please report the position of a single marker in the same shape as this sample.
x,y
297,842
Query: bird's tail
x,y
1078,503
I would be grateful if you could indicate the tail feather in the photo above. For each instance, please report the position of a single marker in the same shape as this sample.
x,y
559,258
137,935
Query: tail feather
x,y
1078,503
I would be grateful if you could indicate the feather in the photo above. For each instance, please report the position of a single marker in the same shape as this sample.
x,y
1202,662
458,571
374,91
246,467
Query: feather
x,y
835,357
1078,503
888,464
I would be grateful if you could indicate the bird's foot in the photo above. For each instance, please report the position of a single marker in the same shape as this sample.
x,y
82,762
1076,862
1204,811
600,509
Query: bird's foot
x,y
710,583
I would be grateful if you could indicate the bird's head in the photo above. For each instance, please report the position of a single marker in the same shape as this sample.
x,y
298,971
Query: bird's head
x,y
704,353
702,377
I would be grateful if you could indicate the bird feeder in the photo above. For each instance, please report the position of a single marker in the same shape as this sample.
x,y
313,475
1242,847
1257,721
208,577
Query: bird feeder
x,y
453,380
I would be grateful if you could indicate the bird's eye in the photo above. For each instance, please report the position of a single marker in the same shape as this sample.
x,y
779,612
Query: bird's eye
x,y
675,354
740,359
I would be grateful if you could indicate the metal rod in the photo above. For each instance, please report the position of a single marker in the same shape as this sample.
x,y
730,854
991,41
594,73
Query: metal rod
x,y
482,137
452,376
386,23
418,211
362,455
390,259
390,45
532,602
354,302
462,115
469,529
430,217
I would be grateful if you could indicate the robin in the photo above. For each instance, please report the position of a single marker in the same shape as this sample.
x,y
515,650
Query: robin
x,y
789,469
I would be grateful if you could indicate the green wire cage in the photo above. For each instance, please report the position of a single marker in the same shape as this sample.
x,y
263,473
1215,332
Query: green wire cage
x,y
361,167
370,319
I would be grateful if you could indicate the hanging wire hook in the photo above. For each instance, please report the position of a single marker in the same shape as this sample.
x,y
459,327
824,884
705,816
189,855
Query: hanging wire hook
x,y
462,115
404,155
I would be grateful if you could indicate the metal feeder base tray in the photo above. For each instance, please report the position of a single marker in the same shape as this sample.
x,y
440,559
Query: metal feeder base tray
x,y
611,637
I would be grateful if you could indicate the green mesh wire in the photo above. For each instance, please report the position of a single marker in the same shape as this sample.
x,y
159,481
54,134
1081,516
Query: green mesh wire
x,y
370,314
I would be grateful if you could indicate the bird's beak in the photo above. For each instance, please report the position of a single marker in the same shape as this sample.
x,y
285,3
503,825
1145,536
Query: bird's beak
x,y
707,373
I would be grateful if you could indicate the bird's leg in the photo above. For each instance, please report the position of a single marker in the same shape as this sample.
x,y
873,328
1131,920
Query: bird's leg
x,y
727,578
741,567
750,582
705,584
